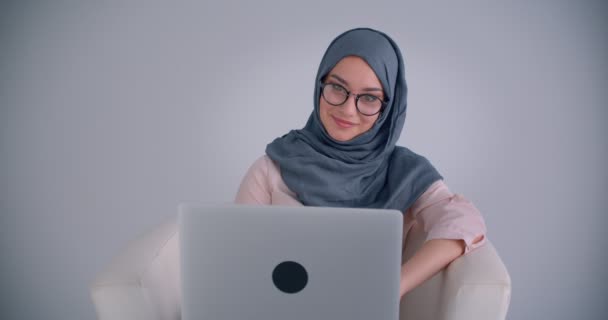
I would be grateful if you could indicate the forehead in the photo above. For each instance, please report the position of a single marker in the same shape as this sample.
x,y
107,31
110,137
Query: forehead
x,y
356,71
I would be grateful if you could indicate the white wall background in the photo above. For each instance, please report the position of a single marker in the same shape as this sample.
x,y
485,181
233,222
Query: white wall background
x,y
113,112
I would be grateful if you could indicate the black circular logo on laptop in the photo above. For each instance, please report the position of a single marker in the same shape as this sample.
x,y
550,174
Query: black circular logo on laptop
x,y
289,277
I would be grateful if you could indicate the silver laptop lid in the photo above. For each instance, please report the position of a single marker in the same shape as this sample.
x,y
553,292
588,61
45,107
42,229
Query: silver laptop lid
x,y
273,262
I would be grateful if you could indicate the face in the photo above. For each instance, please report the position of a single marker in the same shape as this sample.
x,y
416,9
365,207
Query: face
x,y
344,122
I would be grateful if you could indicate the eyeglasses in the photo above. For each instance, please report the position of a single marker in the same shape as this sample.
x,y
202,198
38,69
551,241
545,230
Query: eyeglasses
x,y
336,95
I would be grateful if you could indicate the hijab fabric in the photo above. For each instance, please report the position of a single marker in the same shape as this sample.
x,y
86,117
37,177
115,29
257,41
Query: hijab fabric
x,y
368,171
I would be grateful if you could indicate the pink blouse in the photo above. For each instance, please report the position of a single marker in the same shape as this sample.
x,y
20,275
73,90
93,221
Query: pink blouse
x,y
442,214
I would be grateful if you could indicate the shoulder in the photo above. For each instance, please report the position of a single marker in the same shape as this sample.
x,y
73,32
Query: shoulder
x,y
265,165
260,164
438,191
263,184
438,195
255,187
265,170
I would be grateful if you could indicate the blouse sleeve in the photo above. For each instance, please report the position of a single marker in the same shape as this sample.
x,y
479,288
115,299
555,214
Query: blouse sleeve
x,y
255,187
445,215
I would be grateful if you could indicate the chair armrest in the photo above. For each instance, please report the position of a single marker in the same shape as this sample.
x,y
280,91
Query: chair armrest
x,y
121,302
476,286
118,291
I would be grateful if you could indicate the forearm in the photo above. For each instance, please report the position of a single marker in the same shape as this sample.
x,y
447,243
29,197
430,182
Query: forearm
x,y
433,256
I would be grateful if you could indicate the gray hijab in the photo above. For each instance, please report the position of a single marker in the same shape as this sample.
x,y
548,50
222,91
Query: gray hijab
x,y
368,171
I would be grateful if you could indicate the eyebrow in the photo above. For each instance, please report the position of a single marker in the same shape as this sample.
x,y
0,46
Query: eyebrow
x,y
346,83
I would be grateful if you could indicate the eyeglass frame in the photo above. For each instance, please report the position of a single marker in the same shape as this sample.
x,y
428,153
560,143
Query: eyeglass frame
x,y
383,102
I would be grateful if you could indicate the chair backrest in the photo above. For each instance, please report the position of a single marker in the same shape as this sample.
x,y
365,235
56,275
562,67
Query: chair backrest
x,y
142,281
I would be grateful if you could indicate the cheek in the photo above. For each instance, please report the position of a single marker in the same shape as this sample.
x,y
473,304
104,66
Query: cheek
x,y
322,106
323,112
367,122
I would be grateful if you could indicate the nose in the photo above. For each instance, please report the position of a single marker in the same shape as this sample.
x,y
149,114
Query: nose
x,y
350,105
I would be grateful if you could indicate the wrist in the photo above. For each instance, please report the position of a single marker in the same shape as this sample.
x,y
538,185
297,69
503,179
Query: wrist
x,y
403,285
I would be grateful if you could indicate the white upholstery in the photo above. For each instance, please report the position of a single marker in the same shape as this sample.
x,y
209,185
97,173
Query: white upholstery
x,y
143,282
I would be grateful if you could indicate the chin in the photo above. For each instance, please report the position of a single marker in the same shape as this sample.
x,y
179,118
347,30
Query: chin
x,y
342,137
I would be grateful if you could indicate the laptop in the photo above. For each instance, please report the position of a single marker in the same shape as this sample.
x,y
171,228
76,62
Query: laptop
x,y
272,262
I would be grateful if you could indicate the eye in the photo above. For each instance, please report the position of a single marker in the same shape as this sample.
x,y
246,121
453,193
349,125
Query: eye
x,y
369,98
338,88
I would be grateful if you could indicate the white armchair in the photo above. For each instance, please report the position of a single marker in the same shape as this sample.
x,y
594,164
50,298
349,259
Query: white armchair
x,y
143,282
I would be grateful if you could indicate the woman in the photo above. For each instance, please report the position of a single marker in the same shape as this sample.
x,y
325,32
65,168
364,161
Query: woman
x,y
346,156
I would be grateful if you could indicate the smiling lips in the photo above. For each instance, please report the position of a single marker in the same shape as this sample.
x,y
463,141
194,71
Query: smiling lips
x,y
342,123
